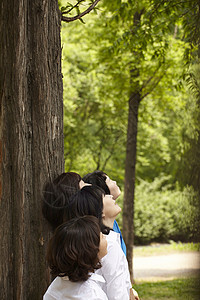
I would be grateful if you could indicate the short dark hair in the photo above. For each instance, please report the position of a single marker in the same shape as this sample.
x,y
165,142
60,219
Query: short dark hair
x,y
97,178
73,249
56,196
88,201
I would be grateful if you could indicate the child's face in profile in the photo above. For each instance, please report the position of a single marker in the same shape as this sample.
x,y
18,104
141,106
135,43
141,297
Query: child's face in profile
x,y
113,187
110,208
102,246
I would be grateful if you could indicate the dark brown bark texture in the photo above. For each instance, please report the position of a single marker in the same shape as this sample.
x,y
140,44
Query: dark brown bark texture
x,y
129,187
31,140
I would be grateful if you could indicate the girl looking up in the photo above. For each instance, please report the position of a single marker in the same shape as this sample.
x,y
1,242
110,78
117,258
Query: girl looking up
x,y
73,254
110,187
56,196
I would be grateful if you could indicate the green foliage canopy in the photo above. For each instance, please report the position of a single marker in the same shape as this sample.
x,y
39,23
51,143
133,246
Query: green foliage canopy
x,y
98,58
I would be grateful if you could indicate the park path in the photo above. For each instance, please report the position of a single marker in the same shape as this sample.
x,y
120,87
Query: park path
x,y
166,266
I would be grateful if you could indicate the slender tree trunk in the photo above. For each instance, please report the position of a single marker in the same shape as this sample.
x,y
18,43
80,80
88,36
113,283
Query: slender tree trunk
x,y
31,140
128,207
131,147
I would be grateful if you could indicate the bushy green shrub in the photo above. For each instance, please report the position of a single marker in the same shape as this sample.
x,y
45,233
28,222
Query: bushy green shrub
x,y
163,214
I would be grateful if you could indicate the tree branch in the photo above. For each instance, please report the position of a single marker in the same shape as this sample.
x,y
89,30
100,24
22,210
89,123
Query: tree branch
x,y
150,78
71,19
111,153
66,12
153,87
169,4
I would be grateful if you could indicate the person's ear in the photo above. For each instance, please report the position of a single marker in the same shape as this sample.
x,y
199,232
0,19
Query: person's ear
x,y
103,215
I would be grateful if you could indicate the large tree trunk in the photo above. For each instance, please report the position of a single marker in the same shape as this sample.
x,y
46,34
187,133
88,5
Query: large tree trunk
x,y
129,187
31,139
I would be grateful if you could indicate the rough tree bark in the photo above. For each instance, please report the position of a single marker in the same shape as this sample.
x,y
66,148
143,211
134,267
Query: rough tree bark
x,y
31,139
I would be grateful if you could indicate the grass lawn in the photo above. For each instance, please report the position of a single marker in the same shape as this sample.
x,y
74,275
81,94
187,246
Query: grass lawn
x,y
159,249
178,289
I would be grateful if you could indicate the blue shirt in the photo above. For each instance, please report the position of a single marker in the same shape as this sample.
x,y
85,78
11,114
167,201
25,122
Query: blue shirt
x,y
116,229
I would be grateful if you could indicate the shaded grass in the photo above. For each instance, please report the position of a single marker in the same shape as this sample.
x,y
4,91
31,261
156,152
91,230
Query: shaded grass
x,y
159,249
178,289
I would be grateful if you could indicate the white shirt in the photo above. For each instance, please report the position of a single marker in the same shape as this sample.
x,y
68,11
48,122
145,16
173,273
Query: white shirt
x,y
62,289
115,270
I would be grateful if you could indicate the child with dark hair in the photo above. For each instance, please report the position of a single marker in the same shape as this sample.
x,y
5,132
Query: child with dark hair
x,y
56,196
101,179
73,254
